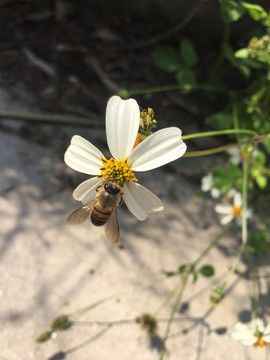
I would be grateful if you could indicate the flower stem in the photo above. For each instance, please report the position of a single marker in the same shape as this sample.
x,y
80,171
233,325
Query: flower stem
x,y
213,243
235,120
244,196
221,57
166,301
244,223
78,313
219,132
254,284
181,287
210,151
129,93
234,266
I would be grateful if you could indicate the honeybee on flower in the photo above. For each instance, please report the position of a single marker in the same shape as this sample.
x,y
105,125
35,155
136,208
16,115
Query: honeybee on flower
x,y
114,179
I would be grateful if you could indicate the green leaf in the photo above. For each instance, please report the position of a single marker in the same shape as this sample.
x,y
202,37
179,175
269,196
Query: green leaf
x,y
169,273
186,78
266,144
220,120
255,11
238,63
182,268
207,270
167,59
195,276
231,10
225,179
261,181
188,53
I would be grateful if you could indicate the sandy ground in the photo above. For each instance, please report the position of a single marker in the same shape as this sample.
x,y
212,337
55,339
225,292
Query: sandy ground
x,y
49,268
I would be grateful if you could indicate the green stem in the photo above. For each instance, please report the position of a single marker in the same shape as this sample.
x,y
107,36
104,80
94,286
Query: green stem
x,y
166,301
234,266
181,288
78,313
244,196
254,284
210,151
213,243
129,93
235,120
219,132
244,223
221,57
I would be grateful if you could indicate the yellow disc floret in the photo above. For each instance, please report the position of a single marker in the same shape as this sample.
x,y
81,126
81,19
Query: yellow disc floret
x,y
236,211
259,335
260,342
117,171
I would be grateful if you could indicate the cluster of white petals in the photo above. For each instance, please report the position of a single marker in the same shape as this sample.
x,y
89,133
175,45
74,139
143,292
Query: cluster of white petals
x,y
253,333
122,124
207,184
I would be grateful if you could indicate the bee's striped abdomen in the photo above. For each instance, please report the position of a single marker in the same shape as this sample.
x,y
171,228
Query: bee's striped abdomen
x,y
99,217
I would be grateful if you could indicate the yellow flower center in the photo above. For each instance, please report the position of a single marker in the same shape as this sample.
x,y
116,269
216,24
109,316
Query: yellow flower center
x,y
260,342
236,210
117,171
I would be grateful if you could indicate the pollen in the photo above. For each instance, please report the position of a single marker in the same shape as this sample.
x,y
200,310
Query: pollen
x,y
117,171
236,210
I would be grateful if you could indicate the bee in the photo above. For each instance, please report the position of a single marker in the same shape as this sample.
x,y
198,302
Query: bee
x,y
102,210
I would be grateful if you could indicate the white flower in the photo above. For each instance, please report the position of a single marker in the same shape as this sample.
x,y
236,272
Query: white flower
x,y
253,333
207,185
235,155
122,124
229,212
238,154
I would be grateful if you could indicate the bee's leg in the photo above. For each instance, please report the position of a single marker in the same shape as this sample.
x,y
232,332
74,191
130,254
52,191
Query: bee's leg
x,y
121,202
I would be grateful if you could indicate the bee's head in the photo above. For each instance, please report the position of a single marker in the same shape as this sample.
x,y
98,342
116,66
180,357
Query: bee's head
x,y
112,188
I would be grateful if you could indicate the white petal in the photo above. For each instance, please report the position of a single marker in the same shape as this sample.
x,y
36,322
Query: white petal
x,y
241,327
86,191
251,340
266,338
158,149
257,324
215,193
237,199
226,219
140,201
207,182
83,156
122,125
267,330
223,209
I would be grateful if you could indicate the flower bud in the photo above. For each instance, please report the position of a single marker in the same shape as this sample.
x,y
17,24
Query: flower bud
x,y
216,296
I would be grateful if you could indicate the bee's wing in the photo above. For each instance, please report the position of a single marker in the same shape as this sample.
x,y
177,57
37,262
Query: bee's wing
x,y
112,228
80,215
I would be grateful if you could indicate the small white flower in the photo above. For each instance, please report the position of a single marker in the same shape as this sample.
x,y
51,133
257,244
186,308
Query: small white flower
x,y
253,333
207,185
238,154
235,157
122,124
230,211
